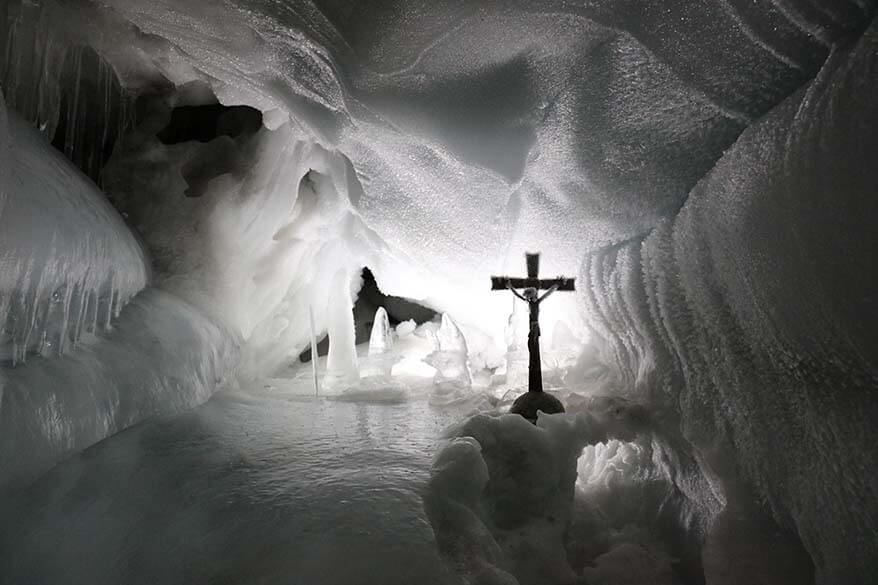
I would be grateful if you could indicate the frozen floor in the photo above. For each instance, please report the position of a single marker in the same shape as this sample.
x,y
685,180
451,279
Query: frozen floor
x,y
253,487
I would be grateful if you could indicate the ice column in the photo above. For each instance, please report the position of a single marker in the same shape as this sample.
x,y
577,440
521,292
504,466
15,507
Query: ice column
x,y
342,368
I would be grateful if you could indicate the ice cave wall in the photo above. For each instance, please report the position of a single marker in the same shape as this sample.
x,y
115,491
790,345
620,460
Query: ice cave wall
x,y
582,144
753,312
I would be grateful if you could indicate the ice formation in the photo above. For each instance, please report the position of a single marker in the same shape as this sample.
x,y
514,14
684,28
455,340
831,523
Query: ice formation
x,y
381,338
68,263
381,358
162,356
450,358
342,366
701,167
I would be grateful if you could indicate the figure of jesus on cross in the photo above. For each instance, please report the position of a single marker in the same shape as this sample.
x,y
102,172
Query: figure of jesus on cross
x,y
535,399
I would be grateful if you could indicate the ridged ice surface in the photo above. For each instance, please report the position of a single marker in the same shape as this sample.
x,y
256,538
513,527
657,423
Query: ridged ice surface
x,y
755,309
68,262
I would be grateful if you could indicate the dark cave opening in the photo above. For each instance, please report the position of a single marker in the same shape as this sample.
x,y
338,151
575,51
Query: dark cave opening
x,y
369,299
204,123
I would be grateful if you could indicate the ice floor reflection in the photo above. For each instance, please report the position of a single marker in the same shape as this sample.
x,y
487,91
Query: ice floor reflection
x,y
257,486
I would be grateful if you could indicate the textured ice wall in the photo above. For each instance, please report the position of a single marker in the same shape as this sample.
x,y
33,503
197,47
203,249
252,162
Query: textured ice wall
x,y
68,263
493,129
754,310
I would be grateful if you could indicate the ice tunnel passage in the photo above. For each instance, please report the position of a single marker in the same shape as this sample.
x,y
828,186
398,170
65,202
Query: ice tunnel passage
x,y
701,169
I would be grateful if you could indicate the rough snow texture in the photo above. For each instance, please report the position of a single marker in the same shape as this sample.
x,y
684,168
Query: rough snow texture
x,y
500,497
754,310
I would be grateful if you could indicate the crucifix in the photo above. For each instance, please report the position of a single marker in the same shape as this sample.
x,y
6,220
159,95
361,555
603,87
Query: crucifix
x,y
534,399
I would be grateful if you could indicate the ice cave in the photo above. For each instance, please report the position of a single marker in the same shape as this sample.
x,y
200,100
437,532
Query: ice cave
x,y
247,327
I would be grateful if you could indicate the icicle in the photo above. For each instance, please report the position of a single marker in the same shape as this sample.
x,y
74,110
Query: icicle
x,y
314,357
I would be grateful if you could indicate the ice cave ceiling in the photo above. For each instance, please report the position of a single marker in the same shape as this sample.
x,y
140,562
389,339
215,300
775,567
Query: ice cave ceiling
x,y
696,165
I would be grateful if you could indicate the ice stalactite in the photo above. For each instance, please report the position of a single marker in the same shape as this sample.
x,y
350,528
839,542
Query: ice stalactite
x,y
58,78
94,110
34,51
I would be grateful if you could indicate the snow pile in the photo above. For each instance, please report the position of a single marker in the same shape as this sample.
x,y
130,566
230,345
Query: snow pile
x,y
501,493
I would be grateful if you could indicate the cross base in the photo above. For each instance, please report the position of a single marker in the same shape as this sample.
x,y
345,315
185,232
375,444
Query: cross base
x,y
529,403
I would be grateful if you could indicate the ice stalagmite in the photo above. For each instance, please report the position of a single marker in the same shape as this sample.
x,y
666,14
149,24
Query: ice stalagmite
x,y
342,367
381,339
381,358
450,360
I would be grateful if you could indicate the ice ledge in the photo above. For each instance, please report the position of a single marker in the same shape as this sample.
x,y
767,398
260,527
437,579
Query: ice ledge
x,y
162,356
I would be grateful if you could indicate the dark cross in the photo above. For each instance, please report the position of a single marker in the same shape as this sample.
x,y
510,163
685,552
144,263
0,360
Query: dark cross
x,y
535,399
